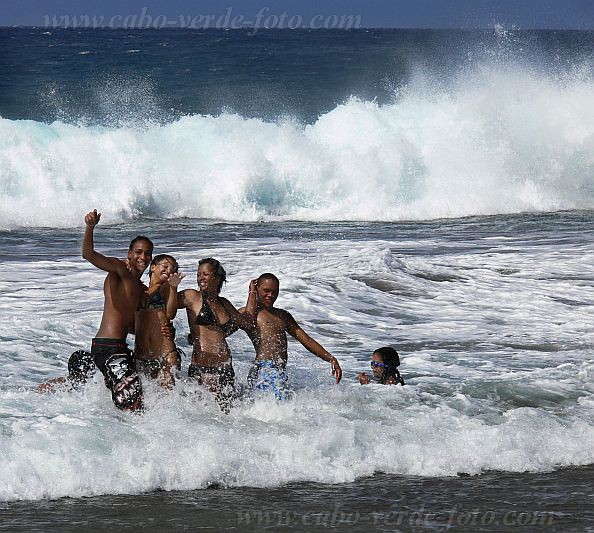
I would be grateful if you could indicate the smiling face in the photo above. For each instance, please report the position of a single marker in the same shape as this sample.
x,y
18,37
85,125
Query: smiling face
x,y
162,271
207,279
268,292
139,256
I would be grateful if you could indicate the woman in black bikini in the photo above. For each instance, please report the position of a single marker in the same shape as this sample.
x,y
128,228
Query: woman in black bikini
x,y
155,354
212,319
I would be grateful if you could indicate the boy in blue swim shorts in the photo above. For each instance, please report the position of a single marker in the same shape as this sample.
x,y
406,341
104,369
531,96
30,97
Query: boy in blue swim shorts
x,y
268,375
269,337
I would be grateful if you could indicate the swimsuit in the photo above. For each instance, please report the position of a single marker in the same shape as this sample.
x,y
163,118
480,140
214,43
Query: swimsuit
x,y
155,302
152,367
225,382
269,376
225,374
116,363
207,317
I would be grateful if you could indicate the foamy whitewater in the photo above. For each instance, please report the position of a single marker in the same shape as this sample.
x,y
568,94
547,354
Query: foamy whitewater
x,y
253,150
492,318
498,141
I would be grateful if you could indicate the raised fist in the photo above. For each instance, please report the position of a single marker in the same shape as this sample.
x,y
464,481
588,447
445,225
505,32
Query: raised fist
x,y
92,218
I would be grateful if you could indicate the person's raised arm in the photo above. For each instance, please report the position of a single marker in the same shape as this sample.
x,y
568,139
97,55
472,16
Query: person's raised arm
x,y
313,346
172,296
246,316
251,306
109,264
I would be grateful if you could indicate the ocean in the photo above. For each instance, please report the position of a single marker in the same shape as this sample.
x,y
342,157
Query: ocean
x,y
428,190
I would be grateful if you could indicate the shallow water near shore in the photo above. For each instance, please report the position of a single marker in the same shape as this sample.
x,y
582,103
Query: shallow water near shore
x,y
491,315
496,501
428,190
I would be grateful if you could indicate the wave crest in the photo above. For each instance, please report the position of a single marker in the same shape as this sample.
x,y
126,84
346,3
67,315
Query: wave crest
x,y
500,142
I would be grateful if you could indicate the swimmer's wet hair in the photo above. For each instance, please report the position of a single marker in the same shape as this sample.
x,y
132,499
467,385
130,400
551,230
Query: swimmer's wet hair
x,y
141,238
158,258
389,355
391,359
218,268
269,276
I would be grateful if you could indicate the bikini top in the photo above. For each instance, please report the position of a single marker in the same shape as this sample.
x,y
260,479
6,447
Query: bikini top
x,y
207,317
155,302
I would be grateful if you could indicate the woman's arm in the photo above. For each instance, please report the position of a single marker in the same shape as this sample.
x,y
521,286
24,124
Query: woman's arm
x,y
172,297
186,298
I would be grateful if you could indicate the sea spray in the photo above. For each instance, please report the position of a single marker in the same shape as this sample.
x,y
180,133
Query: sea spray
x,y
501,141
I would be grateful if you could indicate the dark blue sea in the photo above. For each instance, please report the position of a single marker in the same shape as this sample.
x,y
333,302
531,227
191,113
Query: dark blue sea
x,y
428,190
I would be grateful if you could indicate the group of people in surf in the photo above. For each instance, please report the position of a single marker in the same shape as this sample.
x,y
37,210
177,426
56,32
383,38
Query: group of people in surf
x,y
147,311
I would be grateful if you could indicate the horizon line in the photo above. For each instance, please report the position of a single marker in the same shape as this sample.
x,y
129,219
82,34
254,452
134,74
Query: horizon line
x,y
179,27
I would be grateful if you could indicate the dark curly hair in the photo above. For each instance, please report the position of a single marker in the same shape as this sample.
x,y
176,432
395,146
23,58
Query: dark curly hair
x,y
391,359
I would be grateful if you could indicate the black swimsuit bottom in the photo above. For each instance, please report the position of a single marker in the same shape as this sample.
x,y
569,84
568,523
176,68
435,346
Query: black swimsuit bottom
x,y
118,367
226,374
154,366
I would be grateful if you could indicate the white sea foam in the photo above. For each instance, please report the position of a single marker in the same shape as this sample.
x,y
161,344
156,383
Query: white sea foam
x,y
76,444
501,141
498,363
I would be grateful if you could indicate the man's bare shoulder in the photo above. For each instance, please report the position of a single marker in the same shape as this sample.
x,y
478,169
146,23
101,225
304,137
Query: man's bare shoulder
x,y
121,274
283,315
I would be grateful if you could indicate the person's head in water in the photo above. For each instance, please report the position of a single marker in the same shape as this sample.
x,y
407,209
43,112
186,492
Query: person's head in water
x,y
384,364
268,287
162,267
211,275
140,253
